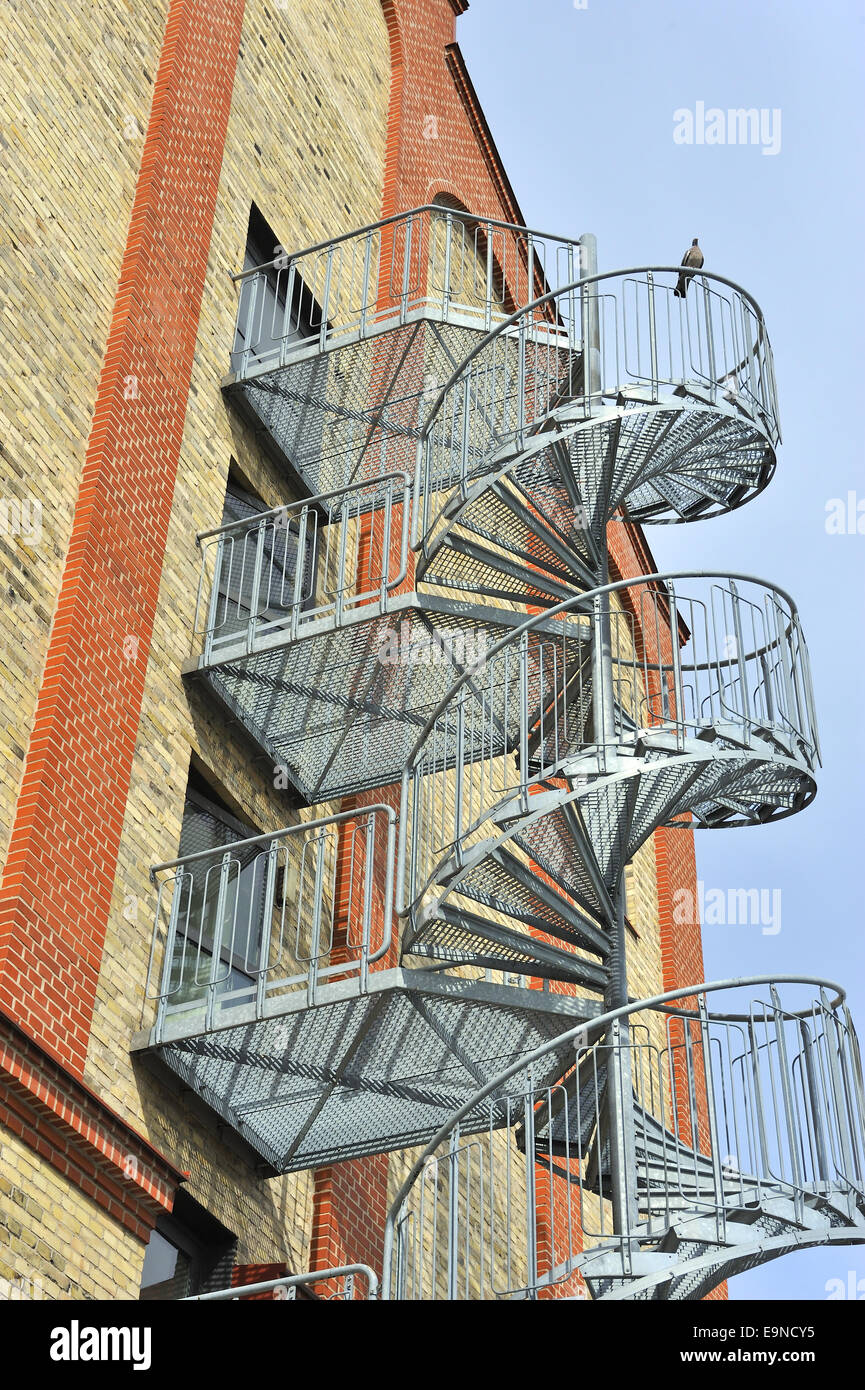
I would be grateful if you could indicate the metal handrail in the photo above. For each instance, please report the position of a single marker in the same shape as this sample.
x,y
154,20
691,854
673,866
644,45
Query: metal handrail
x,y
531,693
582,1034
350,285
250,568
575,602
457,213
289,1281
503,354
230,938
583,283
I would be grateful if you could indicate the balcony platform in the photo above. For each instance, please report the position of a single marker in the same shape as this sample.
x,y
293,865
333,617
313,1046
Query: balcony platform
x,y
328,708
353,407
359,1072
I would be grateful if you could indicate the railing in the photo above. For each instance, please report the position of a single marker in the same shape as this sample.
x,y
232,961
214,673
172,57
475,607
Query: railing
x,y
433,261
755,1106
241,927
643,346
341,1279
737,670
274,574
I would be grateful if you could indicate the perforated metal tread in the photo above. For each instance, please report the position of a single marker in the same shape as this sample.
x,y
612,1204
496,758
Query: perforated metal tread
x,y
340,709
362,1073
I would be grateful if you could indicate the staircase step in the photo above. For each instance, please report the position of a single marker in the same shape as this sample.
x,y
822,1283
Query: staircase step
x,y
467,939
505,884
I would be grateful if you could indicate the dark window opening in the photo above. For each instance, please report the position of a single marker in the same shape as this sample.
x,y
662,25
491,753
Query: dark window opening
x,y
220,910
264,572
189,1252
275,305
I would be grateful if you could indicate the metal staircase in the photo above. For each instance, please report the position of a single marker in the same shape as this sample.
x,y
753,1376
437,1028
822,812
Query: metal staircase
x,y
745,1143
470,406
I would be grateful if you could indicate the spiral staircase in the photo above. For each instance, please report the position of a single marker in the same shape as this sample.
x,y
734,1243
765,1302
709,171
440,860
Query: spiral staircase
x,y
469,407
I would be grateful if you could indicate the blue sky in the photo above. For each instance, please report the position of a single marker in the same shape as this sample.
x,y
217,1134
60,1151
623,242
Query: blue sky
x,y
581,104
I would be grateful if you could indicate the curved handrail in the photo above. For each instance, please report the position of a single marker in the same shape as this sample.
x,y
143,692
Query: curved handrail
x,y
582,283
576,601
289,1281
597,1024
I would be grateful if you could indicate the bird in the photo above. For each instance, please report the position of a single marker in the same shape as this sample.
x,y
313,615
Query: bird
x,y
693,258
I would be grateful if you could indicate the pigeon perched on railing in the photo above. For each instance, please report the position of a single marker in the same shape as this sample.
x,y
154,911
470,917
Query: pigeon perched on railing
x,y
693,257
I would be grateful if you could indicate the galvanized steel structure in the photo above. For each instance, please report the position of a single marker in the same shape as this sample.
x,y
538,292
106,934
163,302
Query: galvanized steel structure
x,y
468,405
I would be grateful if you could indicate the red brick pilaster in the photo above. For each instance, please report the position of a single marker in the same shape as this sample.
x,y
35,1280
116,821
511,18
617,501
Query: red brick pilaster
x,y
73,1130
56,893
349,1213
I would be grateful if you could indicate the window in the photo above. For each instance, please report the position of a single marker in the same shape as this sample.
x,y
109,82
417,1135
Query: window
x,y
210,924
281,542
189,1252
275,305
256,567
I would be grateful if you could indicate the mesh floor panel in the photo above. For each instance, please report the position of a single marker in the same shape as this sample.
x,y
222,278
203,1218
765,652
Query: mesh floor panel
x,y
367,1074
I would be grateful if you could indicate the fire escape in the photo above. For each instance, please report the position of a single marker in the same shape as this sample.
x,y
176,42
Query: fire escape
x,y
431,641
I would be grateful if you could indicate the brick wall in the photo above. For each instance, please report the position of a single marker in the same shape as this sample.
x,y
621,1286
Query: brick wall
x,y
65,226
69,814
133,330
314,164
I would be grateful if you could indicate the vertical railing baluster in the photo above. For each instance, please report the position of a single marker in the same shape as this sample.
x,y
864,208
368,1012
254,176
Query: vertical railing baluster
x,y
816,1126
325,301
255,592
711,1115
446,287
488,303
787,1097
406,270
653,336
531,1191
710,338
740,652
266,928
366,289
315,932
215,959
213,603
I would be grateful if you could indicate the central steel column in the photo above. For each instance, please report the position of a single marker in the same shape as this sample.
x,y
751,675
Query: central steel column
x,y
620,1118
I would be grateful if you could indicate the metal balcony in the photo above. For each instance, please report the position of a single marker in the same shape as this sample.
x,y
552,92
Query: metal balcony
x,y
745,1121
337,346
277,996
309,631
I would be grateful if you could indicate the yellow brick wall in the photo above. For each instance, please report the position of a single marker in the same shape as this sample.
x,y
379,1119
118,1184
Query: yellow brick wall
x,y
64,232
56,1243
306,143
